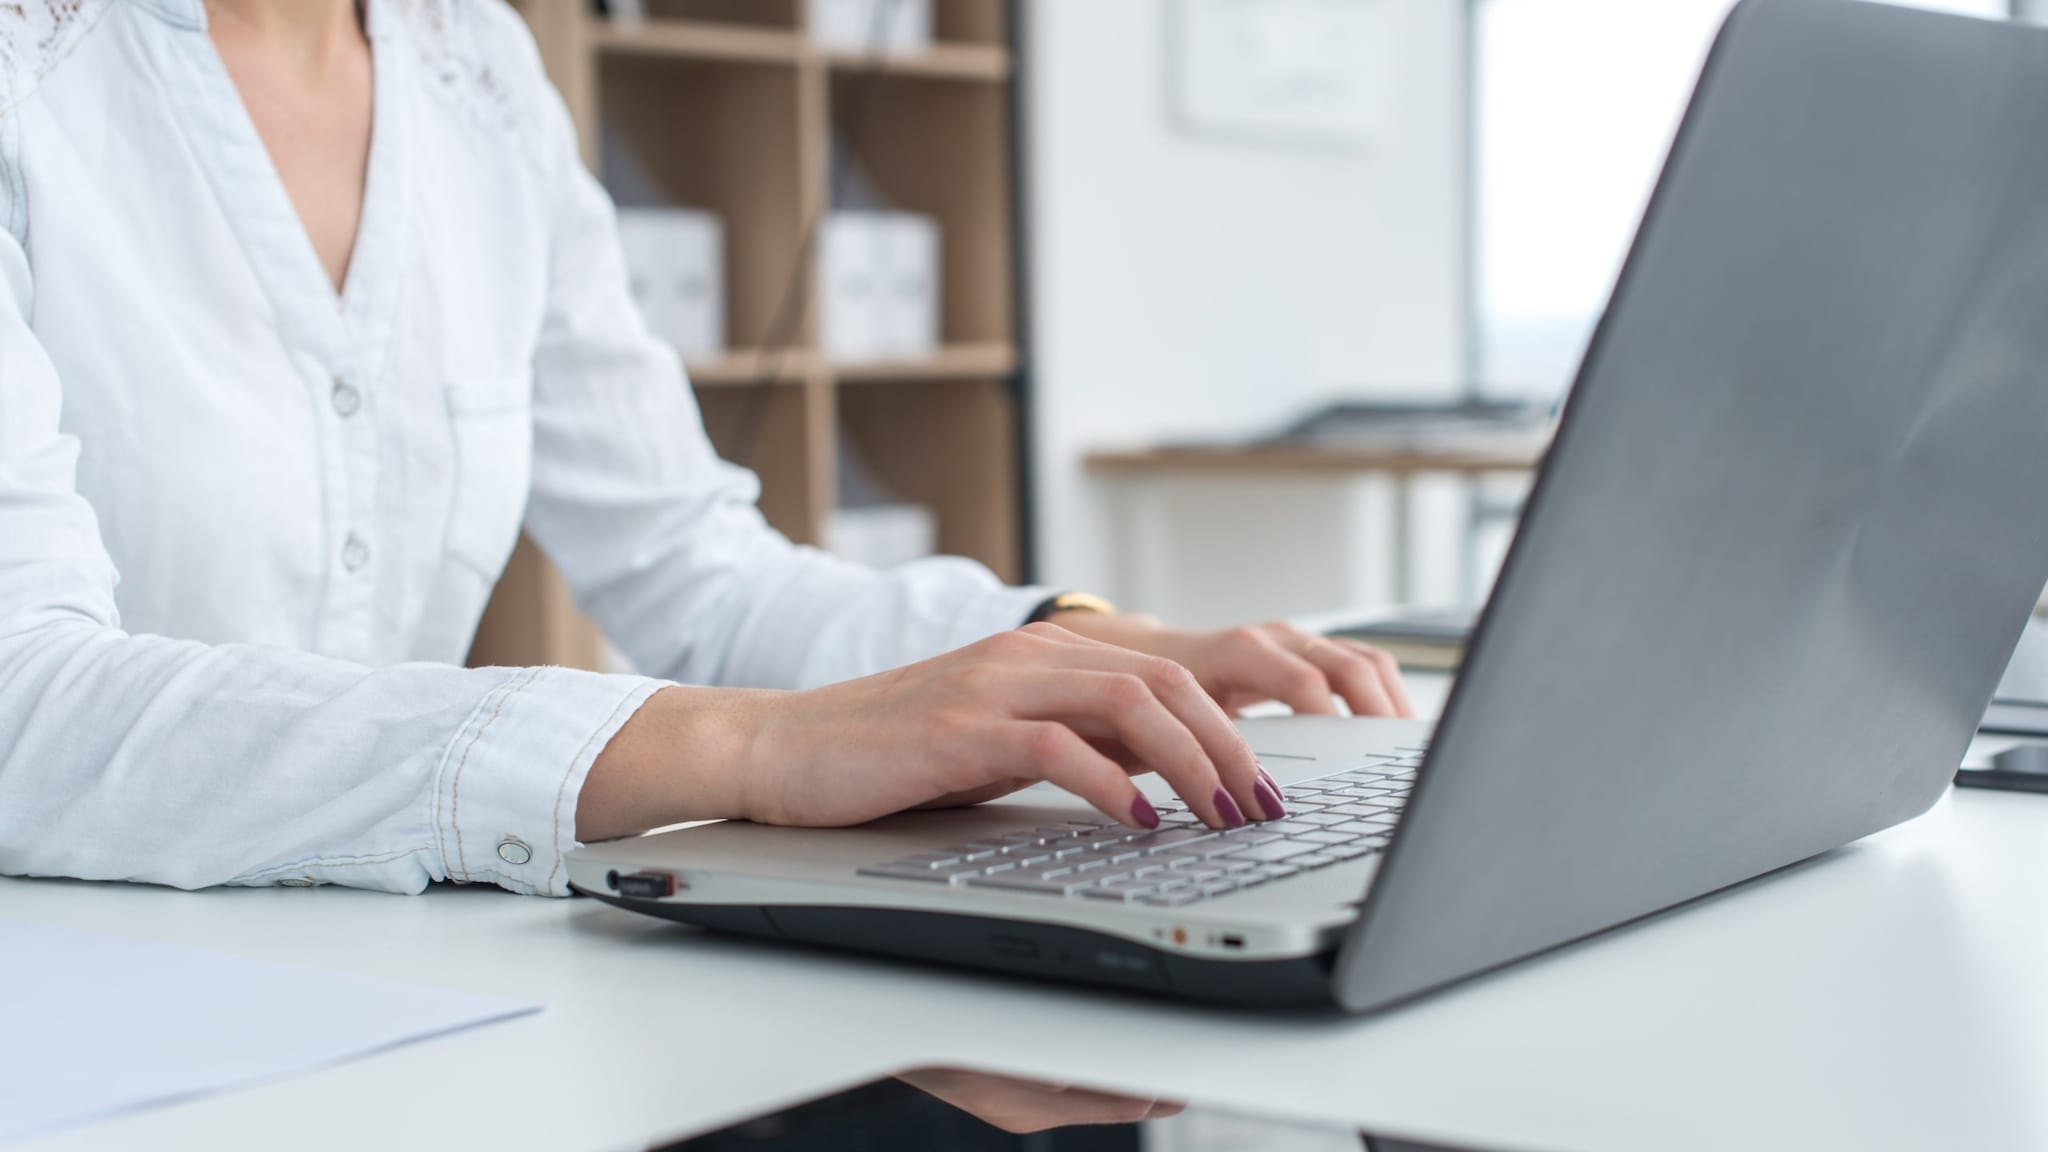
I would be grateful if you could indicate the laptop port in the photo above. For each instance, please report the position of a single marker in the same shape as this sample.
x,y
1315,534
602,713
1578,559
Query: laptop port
x,y
643,885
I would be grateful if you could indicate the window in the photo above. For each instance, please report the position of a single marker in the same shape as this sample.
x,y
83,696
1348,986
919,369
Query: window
x,y
1574,106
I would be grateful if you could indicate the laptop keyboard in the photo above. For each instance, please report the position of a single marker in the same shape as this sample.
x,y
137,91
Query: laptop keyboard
x,y
1329,820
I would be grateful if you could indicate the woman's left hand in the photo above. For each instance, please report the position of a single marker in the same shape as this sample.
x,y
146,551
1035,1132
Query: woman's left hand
x,y
1241,667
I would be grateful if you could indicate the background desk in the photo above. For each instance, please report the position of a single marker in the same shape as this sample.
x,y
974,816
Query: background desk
x,y
1892,995
1191,528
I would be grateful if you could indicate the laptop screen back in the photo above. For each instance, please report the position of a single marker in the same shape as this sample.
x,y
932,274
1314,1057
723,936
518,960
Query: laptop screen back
x,y
1796,515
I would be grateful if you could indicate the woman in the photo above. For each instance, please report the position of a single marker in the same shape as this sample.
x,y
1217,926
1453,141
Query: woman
x,y
307,305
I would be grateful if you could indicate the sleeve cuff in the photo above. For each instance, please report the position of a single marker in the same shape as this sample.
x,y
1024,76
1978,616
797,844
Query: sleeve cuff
x,y
505,804
999,611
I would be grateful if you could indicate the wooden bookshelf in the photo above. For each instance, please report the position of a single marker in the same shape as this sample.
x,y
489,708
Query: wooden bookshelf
x,y
731,108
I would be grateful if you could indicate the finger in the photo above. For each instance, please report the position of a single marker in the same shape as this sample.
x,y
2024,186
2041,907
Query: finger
x,y
1390,676
1354,675
1048,750
1229,755
1268,663
1125,708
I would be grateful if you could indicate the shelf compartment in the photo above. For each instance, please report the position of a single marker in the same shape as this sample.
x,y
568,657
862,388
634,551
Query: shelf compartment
x,y
771,431
950,445
755,13
971,21
721,137
699,40
941,61
939,148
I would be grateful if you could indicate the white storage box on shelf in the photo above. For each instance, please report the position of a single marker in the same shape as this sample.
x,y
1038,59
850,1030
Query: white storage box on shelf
x,y
910,285
676,258
880,276
882,536
849,25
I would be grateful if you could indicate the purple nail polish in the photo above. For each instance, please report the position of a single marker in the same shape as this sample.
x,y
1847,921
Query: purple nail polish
x,y
1268,794
1228,811
1143,812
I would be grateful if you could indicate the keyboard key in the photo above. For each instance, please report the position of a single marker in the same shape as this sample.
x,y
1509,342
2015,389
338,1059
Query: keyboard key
x,y
1290,828
1251,838
1153,841
1023,882
1278,871
1365,827
1309,860
1322,838
1271,853
1325,819
1117,894
1354,851
1219,887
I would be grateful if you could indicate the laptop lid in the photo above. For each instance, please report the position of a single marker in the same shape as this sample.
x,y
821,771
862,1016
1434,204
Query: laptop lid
x,y
1793,521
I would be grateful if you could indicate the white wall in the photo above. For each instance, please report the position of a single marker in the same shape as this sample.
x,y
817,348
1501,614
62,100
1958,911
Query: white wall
x,y
1185,286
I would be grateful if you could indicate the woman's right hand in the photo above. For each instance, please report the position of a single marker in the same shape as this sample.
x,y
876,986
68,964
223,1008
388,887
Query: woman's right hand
x,y
1039,703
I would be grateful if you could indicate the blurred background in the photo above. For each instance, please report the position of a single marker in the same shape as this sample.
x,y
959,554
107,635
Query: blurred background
x,y
1225,309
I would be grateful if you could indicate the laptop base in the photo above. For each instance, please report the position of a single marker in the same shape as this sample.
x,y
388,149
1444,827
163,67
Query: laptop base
x,y
1014,948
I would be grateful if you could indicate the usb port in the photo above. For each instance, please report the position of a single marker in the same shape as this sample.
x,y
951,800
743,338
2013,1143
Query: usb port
x,y
646,885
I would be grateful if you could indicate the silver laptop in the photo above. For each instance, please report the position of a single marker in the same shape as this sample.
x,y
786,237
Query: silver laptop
x,y
1787,538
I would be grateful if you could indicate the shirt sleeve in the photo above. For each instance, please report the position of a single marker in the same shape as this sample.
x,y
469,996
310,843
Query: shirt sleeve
x,y
145,758
660,539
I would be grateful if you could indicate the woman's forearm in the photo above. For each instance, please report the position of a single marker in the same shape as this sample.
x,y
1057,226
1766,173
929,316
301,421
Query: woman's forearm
x,y
681,757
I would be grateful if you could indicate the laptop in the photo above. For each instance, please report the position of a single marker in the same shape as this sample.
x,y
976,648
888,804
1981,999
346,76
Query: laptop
x,y
1771,570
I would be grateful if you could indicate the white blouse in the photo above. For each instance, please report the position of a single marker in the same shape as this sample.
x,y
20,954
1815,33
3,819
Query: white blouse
x,y
308,498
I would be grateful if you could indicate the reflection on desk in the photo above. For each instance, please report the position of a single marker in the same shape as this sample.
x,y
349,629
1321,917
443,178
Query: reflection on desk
x,y
965,1111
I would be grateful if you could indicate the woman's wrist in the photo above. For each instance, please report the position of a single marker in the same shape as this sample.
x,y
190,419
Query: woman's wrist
x,y
683,756
1139,633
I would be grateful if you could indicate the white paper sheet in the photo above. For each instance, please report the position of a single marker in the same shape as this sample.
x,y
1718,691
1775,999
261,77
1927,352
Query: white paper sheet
x,y
93,1025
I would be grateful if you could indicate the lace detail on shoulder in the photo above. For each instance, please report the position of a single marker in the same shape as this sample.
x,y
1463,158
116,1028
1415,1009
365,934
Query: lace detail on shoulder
x,y
35,35
478,54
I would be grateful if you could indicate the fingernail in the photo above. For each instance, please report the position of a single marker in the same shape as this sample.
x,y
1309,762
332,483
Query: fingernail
x,y
1143,812
1228,811
1268,794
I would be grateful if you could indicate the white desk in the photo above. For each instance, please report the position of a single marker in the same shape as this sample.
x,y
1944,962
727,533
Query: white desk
x,y
1893,995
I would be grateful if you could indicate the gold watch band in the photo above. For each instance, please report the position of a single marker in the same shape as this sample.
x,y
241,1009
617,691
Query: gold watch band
x,y
1071,602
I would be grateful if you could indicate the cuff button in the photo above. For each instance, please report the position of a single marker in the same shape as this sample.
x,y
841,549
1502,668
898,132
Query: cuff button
x,y
513,850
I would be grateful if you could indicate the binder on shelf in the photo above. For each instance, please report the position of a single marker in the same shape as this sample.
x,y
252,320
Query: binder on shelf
x,y
850,25
883,535
676,259
880,277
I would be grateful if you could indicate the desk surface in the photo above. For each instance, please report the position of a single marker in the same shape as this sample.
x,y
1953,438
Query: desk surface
x,y
1891,995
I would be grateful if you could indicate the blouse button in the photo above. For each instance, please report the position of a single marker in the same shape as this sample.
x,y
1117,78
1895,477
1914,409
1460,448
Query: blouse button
x,y
513,850
354,553
346,399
